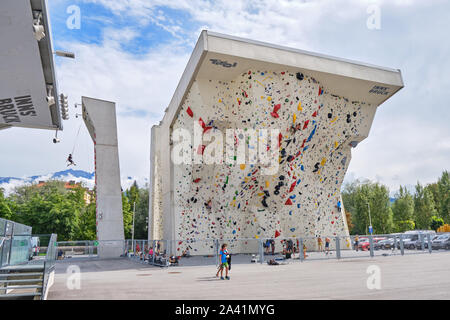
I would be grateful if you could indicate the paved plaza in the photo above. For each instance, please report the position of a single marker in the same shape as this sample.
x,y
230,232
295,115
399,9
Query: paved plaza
x,y
418,276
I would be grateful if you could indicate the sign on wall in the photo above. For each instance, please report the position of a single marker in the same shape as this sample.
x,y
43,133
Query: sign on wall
x,y
28,95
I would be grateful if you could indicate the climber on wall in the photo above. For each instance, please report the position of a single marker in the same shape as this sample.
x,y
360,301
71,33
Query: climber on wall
x,y
70,160
208,205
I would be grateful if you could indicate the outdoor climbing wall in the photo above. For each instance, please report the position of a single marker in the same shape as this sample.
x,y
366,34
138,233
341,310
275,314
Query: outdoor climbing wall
x,y
99,117
317,131
156,217
316,109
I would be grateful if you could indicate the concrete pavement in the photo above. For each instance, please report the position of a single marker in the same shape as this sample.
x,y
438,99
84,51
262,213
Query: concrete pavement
x,y
423,276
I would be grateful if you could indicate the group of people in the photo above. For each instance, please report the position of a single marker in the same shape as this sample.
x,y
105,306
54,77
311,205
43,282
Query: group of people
x,y
225,256
327,245
269,244
289,248
147,253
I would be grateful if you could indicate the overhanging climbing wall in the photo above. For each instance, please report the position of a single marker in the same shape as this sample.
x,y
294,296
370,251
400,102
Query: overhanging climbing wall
x,y
322,107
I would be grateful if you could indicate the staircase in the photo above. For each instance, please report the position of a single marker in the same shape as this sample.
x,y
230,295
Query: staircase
x,y
22,282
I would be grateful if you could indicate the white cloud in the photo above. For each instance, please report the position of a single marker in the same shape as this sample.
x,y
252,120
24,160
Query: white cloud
x,y
141,87
410,134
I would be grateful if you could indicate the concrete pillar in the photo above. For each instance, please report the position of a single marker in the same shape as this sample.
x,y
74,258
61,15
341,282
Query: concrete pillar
x,y
100,119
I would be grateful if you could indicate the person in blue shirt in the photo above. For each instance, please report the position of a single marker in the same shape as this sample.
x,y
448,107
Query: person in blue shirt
x,y
223,262
339,205
267,245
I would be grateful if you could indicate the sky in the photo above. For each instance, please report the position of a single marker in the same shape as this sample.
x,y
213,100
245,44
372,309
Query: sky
x,y
134,52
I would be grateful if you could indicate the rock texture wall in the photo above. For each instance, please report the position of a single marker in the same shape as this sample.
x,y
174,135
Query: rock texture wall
x,y
234,201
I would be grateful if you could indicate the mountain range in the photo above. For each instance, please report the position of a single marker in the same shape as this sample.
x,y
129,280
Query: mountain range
x,y
8,184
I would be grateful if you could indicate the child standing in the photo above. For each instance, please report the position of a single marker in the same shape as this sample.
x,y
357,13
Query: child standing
x,y
356,242
223,262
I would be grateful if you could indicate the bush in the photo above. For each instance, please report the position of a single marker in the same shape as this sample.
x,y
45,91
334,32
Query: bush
x,y
444,228
436,222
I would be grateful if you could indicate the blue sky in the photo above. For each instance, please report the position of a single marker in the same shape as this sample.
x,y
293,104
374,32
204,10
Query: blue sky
x,y
134,52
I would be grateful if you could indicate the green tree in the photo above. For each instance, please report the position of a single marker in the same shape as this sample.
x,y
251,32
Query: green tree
x,y
141,218
133,194
52,208
127,216
403,211
138,197
349,194
441,196
358,197
424,207
404,225
48,209
87,221
5,210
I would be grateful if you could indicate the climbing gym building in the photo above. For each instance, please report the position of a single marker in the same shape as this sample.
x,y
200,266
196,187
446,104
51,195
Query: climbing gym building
x,y
238,100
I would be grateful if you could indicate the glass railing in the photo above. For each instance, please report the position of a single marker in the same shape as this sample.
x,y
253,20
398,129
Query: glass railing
x,y
10,228
20,249
3,252
16,243
49,263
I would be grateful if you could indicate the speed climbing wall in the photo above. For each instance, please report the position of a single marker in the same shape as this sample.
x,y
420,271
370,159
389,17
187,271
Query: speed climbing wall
x,y
319,120
99,117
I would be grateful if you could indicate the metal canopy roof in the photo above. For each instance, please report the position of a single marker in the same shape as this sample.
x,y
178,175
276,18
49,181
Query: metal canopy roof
x,y
27,68
222,57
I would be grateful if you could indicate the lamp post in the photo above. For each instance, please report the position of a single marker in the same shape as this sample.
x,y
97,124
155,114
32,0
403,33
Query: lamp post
x,y
132,231
370,219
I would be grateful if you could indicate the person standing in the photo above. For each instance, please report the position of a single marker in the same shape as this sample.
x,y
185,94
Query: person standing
x,y
356,242
267,245
320,244
223,262
327,245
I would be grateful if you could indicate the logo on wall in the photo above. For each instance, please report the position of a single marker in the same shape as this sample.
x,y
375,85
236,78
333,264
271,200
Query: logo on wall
x,y
12,109
223,63
380,90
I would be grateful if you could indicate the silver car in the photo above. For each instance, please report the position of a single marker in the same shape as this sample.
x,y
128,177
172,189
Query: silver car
x,y
441,242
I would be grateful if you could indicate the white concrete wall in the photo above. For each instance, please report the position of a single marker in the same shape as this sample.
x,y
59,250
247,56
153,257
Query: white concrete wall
x,y
156,218
100,119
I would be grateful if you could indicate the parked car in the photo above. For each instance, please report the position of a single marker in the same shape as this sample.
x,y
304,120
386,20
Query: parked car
x,y
410,238
384,244
441,242
362,241
365,245
425,242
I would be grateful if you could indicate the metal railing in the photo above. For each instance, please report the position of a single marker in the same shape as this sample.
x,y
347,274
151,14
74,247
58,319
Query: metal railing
x,y
280,250
78,249
192,252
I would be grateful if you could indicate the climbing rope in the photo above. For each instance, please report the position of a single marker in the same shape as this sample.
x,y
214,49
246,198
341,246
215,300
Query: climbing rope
x,y
76,139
